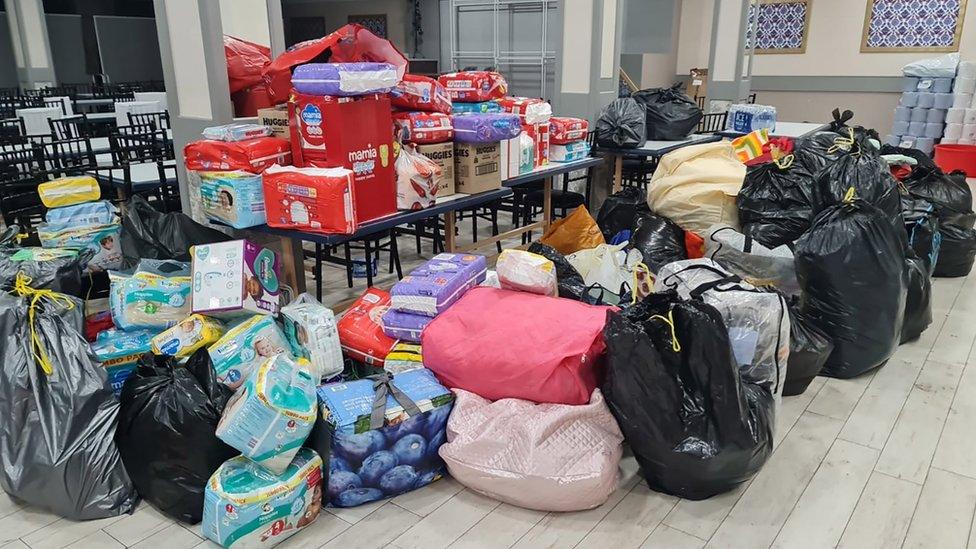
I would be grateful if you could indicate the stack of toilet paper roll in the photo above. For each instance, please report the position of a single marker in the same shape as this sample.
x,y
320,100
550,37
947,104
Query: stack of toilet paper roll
x,y
961,118
921,114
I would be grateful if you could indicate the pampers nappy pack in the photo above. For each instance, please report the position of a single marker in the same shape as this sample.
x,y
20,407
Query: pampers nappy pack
x,y
271,415
235,198
93,226
244,347
245,506
231,278
188,335
372,461
148,300
119,352
311,331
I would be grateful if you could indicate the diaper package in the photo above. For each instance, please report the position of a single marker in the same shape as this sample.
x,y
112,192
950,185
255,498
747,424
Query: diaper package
x,y
235,277
90,226
148,300
474,86
569,152
271,415
68,191
313,334
438,283
247,507
526,272
540,136
423,128
418,179
403,357
530,109
404,326
236,132
485,128
482,107
119,352
101,212
344,79
313,199
379,456
420,93
361,328
187,335
234,198
252,155
564,130
244,347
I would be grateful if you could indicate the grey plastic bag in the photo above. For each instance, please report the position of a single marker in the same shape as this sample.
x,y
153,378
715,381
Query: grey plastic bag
x,y
750,260
57,437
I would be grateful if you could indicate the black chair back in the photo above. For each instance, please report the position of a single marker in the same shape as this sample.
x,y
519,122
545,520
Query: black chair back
x,y
71,156
129,147
70,127
12,128
711,123
160,119
21,170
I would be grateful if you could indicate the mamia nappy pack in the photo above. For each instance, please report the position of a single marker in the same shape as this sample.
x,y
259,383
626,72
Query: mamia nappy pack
x,y
311,331
270,416
246,506
231,278
245,346
188,335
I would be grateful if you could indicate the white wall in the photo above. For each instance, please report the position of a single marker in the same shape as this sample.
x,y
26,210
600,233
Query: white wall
x,y
694,35
246,19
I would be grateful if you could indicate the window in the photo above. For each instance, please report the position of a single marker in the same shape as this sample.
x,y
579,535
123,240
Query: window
x,y
913,25
375,24
781,26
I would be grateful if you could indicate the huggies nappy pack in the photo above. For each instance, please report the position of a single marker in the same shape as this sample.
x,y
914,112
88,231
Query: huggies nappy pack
x,y
149,300
245,506
119,352
244,347
271,415
234,198
188,335
231,278
311,331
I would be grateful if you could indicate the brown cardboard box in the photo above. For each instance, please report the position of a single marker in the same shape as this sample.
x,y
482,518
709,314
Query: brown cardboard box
x,y
443,154
477,167
698,83
277,118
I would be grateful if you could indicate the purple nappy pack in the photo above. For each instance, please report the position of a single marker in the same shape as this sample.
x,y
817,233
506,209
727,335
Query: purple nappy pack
x,y
404,326
344,79
436,285
485,127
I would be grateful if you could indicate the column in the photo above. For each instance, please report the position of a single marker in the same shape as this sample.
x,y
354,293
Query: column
x,y
730,62
32,51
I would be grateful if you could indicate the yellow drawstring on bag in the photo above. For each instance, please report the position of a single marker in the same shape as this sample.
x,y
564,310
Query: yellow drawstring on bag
x,y
23,288
849,196
845,143
785,162
669,320
637,287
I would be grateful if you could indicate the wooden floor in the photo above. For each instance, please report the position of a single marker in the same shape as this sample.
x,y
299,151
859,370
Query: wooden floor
x,y
886,460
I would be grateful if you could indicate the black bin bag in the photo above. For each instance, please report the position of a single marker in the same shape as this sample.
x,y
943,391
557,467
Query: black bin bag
x,y
621,125
619,211
957,252
59,413
166,433
918,302
671,114
851,270
776,202
568,279
672,383
809,349
949,194
660,241
922,226
58,270
150,234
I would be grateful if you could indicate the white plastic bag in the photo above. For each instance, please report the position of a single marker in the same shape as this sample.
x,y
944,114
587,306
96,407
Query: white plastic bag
x,y
755,263
417,180
526,272
934,67
605,265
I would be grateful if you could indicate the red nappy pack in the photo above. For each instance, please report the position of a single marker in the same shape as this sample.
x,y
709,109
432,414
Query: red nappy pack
x,y
320,200
420,93
563,130
361,328
252,155
423,128
540,136
531,110
474,86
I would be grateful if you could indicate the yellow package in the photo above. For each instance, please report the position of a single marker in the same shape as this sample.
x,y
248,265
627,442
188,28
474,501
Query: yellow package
x,y
69,191
188,335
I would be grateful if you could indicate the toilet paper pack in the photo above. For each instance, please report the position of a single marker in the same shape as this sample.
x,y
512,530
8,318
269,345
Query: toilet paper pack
x,y
245,506
244,347
234,278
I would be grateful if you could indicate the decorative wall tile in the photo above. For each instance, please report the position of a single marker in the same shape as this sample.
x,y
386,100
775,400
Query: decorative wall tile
x,y
913,24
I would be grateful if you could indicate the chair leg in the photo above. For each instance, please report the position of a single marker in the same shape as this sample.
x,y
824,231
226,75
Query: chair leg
x,y
393,239
420,226
474,225
395,258
369,263
348,252
494,226
318,271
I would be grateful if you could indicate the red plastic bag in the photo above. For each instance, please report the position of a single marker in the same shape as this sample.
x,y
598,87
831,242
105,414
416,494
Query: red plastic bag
x,y
474,86
694,245
361,329
320,200
420,93
245,62
249,100
253,155
507,344
351,43
423,128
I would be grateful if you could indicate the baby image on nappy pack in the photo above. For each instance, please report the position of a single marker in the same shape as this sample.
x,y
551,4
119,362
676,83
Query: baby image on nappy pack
x,y
188,335
244,347
235,198
235,278
148,300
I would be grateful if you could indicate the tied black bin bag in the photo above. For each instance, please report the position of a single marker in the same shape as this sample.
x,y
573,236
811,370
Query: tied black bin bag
x,y
809,349
620,210
568,279
949,194
621,125
166,432
957,252
851,270
59,413
150,234
918,303
776,202
922,226
59,270
660,241
671,114
695,427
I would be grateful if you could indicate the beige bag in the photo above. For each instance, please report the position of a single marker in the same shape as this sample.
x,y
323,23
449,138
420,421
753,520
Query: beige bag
x,y
696,186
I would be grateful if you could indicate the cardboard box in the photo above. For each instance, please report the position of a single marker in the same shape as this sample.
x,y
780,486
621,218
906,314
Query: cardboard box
x,y
443,155
234,278
477,167
348,132
518,156
277,119
698,84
